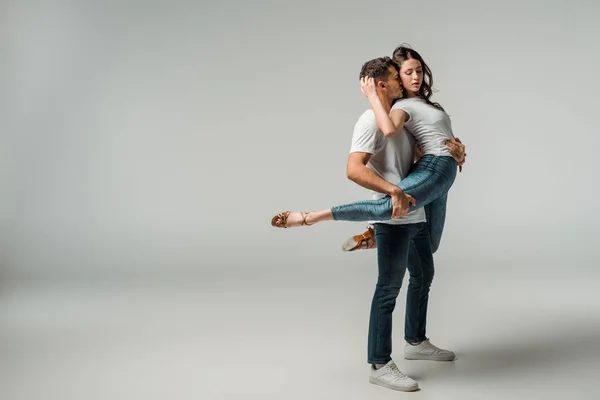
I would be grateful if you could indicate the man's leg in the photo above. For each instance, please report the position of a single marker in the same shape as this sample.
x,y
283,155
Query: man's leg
x,y
421,270
393,243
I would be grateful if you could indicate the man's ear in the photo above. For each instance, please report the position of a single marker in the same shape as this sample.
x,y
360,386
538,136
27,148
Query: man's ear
x,y
380,85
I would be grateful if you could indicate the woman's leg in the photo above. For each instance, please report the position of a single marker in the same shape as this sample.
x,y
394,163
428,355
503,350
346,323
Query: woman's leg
x,y
436,218
430,178
421,270
292,219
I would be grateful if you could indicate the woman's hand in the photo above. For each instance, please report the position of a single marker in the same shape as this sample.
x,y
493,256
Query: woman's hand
x,y
368,87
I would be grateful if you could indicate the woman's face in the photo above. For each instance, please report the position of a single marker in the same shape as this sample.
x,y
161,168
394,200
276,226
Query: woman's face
x,y
411,75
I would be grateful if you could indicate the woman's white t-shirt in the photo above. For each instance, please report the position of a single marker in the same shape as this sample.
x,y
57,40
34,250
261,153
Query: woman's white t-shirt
x,y
429,125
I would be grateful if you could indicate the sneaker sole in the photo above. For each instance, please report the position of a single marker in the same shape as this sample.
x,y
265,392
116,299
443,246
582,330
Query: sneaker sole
x,y
398,388
429,358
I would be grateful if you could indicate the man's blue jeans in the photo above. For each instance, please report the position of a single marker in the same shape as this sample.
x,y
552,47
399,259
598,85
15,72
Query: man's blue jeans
x,y
400,247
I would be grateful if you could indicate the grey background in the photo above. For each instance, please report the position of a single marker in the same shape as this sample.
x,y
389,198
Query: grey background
x,y
146,146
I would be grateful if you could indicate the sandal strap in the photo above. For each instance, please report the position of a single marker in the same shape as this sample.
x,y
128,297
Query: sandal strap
x,y
304,216
369,232
284,216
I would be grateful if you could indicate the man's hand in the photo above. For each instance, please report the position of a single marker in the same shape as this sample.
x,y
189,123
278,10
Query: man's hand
x,y
457,150
401,203
418,152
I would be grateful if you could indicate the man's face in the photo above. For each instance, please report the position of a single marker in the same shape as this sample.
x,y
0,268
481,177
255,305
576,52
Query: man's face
x,y
392,86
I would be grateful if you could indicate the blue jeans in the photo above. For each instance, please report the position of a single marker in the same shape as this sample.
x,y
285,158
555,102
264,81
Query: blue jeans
x,y
400,247
428,182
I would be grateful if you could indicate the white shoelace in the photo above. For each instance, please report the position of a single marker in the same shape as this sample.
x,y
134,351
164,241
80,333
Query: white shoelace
x,y
436,350
396,372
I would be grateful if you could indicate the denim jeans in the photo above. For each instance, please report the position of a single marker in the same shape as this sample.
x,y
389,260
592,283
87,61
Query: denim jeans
x,y
428,182
400,247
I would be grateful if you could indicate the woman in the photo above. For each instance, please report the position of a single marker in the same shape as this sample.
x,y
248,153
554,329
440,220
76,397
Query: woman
x,y
432,175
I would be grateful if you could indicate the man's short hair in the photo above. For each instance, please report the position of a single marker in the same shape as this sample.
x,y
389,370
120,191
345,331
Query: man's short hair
x,y
377,68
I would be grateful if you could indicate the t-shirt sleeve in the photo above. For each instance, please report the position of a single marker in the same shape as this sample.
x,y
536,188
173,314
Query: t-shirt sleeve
x,y
366,138
404,106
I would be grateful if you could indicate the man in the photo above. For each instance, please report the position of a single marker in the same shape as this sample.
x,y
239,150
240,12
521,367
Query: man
x,y
375,162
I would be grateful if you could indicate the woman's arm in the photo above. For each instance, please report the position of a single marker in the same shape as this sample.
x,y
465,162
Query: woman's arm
x,y
388,124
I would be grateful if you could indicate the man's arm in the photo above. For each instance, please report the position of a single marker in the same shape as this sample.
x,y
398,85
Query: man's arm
x,y
358,172
418,152
457,150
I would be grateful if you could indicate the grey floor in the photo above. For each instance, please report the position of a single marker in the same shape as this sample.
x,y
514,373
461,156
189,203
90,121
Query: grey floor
x,y
297,330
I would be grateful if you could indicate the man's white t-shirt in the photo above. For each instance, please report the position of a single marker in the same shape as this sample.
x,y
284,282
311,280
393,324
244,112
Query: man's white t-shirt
x,y
391,158
429,125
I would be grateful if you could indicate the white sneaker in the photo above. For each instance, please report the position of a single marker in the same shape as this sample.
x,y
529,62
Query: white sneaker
x,y
389,376
427,351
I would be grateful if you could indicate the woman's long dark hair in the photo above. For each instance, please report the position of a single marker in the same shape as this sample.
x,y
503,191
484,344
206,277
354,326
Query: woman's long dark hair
x,y
403,53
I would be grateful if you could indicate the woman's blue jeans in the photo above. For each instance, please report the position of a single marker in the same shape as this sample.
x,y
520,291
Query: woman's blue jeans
x,y
428,183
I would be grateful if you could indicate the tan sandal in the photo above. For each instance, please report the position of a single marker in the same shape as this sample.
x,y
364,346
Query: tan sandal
x,y
363,241
284,216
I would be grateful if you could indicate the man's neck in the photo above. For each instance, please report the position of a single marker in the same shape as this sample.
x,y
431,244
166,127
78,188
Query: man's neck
x,y
387,103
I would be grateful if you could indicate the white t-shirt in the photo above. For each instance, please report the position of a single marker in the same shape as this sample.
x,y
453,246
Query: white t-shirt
x,y
429,125
391,158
